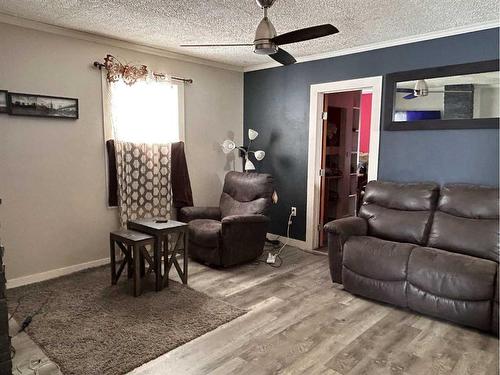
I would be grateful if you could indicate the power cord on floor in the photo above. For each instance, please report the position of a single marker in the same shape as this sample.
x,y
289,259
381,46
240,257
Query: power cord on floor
x,y
16,308
273,259
37,366
27,321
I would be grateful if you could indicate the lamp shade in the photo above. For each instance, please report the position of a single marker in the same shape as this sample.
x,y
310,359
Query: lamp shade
x,y
259,155
252,134
249,166
228,146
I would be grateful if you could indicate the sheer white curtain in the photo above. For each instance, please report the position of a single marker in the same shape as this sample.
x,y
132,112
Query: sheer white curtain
x,y
143,119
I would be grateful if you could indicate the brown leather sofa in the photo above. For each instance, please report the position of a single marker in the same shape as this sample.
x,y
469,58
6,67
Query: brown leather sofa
x,y
234,232
432,250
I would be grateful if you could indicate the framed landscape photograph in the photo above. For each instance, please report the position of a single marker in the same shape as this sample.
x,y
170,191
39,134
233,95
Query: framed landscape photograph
x,y
42,106
3,102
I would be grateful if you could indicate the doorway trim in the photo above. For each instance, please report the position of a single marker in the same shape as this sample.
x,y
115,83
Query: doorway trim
x,y
317,93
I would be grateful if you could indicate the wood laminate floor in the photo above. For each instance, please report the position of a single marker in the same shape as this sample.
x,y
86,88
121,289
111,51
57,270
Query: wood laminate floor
x,y
300,323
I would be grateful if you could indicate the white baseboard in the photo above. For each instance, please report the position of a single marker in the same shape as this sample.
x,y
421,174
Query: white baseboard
x,y
42,276
291,241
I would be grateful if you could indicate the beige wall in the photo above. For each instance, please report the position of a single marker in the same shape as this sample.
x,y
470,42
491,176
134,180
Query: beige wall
x,y
52,178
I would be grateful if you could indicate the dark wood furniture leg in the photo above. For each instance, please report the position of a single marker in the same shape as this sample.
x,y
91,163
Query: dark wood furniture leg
x,y
133,245
185,265
157,255
137,270
129,262
143,264
165,261
112,257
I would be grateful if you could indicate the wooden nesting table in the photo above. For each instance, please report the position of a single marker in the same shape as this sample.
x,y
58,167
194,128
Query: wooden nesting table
x,y
161,231
133,245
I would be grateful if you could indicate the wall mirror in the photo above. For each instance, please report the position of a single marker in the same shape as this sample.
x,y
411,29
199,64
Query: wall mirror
x,y
451,97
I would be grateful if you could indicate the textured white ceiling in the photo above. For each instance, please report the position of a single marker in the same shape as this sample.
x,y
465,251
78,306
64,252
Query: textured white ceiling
x,y
168,23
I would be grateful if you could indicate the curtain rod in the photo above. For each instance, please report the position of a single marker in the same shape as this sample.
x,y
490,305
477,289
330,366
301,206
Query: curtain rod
x,y
100,66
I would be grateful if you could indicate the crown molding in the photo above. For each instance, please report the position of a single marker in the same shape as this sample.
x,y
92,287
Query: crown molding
x,y
386,44
101,39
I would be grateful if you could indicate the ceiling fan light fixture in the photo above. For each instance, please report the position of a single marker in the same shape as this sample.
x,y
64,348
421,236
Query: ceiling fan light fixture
x,y
421,88
262,41
265,48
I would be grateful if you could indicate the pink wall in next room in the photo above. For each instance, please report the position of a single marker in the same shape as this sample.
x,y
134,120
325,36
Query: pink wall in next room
x,y
366,114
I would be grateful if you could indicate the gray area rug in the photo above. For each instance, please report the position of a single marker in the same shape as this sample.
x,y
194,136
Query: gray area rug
x,y
89,327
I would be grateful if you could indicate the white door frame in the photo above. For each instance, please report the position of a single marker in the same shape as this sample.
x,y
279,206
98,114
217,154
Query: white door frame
x,y
318,92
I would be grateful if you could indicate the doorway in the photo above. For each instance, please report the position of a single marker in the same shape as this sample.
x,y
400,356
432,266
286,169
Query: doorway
x,y
344,131
341,171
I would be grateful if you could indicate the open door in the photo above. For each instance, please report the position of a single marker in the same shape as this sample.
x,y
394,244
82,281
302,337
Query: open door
x,y
340,158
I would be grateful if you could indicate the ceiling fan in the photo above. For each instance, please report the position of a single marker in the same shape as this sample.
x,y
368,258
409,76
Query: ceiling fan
x,y
422,89
266,42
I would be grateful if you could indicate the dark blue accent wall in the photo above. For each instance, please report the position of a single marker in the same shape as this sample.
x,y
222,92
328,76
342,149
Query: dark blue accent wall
x,y
276,104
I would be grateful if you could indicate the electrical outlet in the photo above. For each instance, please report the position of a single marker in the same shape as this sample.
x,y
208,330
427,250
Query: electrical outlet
x,y
271,259
294,211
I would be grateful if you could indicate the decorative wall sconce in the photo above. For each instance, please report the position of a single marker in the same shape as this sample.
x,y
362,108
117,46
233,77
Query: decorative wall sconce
x,y
228,146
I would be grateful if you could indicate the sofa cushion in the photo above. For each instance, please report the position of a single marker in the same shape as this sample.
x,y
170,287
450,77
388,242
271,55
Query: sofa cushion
x,y
399,212
451,286
376,268
205,232
467,221
451,275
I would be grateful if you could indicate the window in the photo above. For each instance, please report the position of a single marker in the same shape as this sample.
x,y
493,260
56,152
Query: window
x,y
146,112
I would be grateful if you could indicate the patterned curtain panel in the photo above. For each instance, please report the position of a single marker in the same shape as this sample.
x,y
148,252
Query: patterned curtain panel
x,y
144,180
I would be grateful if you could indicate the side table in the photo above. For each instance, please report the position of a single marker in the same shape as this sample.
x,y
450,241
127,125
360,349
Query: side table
x,y
160,231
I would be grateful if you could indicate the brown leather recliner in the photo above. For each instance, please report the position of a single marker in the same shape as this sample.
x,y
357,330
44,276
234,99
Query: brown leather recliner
x,y
234,232
430,250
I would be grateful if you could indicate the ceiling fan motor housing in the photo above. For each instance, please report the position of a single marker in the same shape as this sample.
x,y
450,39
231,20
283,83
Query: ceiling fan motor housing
x,y
262,42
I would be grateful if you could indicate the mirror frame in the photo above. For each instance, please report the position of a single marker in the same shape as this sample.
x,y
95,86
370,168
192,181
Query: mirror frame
x,y
391,80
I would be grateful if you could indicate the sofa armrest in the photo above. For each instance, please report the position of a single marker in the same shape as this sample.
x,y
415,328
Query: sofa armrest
x,y
347,227
338,233
187,214
243,237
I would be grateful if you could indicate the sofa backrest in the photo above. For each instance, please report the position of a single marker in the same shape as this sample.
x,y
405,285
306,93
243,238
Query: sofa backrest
x,y
246,193
466,221
399,211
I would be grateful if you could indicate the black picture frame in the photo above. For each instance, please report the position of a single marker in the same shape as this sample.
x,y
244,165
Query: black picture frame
x,y
391,80
70,112
4,97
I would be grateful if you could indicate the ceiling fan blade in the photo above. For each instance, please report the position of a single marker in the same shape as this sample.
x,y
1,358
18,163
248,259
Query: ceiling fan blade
x,y
218,45
305,34
409,96
283,57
